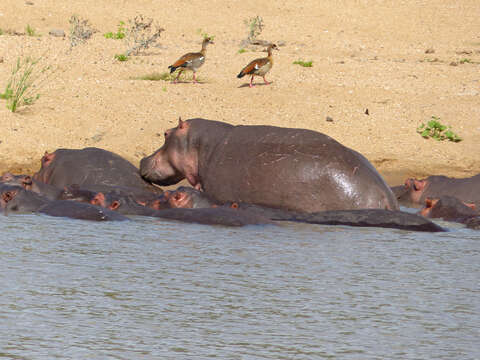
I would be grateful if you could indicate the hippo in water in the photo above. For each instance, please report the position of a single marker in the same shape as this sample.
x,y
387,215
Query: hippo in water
x,y
190,198
414,192
16,200
292,169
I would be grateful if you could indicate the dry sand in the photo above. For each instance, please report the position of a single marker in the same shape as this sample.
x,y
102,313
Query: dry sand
x,y
367,54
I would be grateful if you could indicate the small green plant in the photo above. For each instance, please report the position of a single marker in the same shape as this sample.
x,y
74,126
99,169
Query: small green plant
x,y
30,31
1,32
120,34
242,50
80,31
26,79
465,61
205,35
435,130
121,57
304,63
255,26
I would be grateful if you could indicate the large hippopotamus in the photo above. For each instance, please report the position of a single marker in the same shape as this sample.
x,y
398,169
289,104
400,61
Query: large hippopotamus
x,y
90,166
292,169
414,192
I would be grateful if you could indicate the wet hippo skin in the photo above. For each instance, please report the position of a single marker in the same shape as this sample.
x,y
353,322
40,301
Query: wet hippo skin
x,y
292,169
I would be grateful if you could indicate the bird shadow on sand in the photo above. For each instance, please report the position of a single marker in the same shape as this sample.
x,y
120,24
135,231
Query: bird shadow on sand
x,y
189,82
254,85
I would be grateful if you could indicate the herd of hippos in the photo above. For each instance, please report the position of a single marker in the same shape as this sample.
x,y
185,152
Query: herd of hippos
x,y
239,175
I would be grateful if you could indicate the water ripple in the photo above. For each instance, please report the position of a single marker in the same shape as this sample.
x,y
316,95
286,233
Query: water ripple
x,y
150,289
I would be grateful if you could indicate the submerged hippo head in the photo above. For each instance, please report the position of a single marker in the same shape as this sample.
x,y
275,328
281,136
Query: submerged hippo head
x,y
174,161
448,208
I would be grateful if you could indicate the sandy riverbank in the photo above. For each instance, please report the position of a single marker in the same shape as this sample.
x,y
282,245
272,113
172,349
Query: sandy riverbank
x,y
366,55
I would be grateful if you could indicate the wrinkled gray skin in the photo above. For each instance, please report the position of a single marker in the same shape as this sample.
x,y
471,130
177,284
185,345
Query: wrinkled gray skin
x,y
415,192
90,166
17,200
292,169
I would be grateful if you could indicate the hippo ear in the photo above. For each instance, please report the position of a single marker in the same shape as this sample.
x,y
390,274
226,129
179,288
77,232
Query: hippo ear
x,y
115,205
471,206
418,184
9,195
98,199
430,202
182,124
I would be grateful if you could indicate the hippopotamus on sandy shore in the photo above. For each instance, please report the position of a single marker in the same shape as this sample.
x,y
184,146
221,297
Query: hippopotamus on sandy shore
x,y
90,166
292,169
415,192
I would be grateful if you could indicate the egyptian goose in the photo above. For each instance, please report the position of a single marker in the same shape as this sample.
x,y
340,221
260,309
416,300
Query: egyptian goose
x,y
191,61
259,67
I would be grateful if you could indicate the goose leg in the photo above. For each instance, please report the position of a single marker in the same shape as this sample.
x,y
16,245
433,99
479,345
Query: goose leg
x,y
176,79
251,81
266,82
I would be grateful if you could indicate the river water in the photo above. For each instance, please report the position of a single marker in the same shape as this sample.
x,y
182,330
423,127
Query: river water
x,y
154,289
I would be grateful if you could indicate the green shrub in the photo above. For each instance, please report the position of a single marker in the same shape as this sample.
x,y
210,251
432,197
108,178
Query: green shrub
x,y
121,57
304,63
242,50
205,35
120,34
30,31
26,79
435,130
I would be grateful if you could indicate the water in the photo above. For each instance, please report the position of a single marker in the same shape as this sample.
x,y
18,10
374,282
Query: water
x,y
152,289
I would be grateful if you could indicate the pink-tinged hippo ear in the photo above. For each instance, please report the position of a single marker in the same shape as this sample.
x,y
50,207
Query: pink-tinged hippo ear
x,y
418,185
47,158
182,124
471,205
98,199
9,195
179,199
429,204
114,205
